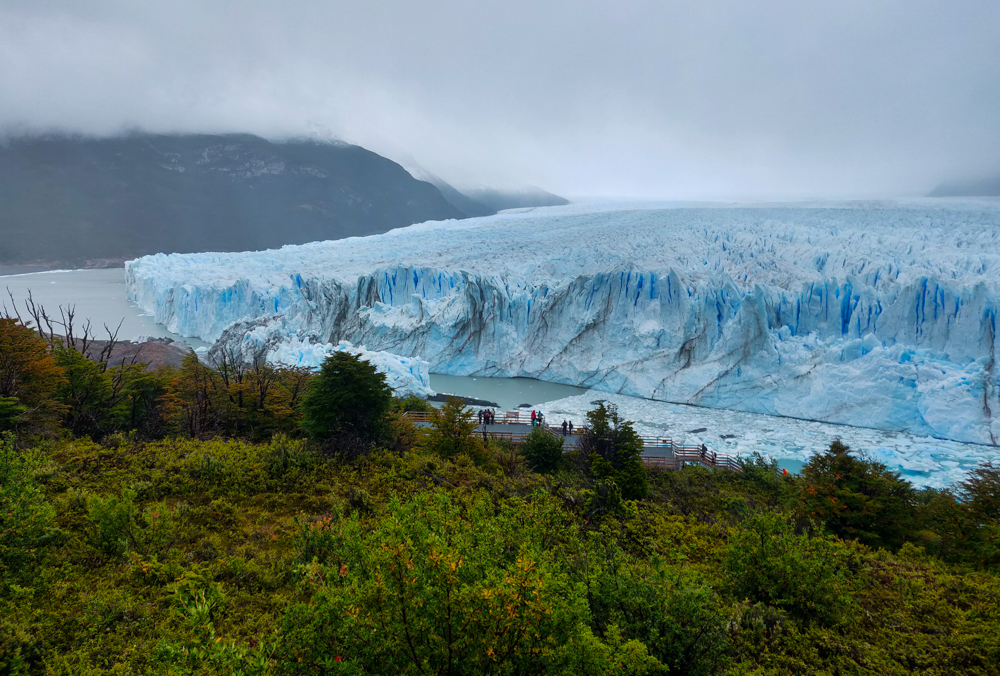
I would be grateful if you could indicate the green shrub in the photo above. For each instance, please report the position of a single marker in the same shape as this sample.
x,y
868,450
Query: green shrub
x,y
810,576
453,433
669,610
119,525
442,586
26,517
543,451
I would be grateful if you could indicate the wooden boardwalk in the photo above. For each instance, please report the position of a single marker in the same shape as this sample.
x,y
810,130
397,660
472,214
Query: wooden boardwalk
x,y
659,453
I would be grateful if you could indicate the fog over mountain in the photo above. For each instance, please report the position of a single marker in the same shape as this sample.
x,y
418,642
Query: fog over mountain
x,y
972,187
75,201
644,98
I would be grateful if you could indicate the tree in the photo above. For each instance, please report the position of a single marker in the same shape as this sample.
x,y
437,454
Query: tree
x,y
453,432
30,375
347,401
981,491
614,451
855,498
542,450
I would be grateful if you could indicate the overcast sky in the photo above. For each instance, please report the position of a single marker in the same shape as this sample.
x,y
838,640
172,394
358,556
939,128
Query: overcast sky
x,y
696,99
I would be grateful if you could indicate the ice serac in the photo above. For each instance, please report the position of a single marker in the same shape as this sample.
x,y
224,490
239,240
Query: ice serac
x,y
872,314
266,338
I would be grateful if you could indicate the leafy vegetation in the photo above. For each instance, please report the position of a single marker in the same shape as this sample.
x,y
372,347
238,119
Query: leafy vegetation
x,y
205,520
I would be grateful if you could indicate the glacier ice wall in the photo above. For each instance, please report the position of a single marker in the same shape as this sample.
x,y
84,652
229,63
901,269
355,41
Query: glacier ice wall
x,y
871,314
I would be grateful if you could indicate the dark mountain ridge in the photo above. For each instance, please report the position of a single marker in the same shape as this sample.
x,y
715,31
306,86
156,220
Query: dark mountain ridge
x,y
73,200
981,187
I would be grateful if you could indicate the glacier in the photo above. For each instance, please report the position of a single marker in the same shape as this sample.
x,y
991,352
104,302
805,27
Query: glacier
x,y
873,314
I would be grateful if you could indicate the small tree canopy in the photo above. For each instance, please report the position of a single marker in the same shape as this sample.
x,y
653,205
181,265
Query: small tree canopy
x,y
856,498
615,451
453,433
28,373
542,450
347,400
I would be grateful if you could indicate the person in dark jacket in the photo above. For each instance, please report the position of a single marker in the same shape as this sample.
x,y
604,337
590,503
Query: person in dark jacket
x,y
564,426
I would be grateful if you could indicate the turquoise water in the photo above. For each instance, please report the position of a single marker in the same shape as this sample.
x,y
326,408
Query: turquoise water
x,y
507,393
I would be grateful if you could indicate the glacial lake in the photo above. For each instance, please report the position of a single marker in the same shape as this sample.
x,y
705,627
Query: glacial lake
x,y
100,296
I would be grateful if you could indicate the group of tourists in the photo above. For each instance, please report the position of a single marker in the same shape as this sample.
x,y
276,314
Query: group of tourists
x,y
567,427
537,419
707,455
487,416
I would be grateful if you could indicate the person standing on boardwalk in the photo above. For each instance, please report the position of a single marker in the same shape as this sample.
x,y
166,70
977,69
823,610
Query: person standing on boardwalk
x,y
564,427
533,417
480,416
571,427
704,450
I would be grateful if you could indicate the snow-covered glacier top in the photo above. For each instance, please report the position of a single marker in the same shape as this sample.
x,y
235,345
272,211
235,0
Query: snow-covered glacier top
x,y
773,245
878,314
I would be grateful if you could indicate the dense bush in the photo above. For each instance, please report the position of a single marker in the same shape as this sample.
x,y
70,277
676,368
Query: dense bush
x,y
809,576
542,451
453,433
347,401
26,517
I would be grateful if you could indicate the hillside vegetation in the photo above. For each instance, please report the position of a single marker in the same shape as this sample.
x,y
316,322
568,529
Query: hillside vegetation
x,y
251,519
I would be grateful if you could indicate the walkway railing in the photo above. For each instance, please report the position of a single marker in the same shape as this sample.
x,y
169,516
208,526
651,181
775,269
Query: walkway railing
x,y
675,455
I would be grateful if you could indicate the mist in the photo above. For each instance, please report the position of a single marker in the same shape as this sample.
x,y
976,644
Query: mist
x,y
651,100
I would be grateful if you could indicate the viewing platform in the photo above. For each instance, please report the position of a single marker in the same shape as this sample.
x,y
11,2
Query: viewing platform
x,y
661,453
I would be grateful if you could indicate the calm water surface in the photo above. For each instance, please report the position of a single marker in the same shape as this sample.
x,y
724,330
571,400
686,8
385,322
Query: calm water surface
x,y
99,295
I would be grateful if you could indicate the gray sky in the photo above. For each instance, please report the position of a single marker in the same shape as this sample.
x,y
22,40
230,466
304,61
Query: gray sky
x,y
706,99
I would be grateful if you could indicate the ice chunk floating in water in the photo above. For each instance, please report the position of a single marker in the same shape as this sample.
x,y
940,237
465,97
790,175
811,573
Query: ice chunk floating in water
x,y
920,460
880,315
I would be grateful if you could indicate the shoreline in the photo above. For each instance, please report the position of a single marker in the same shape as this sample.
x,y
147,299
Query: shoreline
x,y
17,269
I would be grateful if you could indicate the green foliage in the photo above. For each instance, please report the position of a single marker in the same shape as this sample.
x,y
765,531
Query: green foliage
x,y
809,576
441,585
855,498
453,433
543,451
26,517
614,451
412,403
676,615
347,402
11,412
981,491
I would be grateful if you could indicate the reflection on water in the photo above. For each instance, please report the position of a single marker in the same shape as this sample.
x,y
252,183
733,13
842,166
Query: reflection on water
x,y
507,393
99,295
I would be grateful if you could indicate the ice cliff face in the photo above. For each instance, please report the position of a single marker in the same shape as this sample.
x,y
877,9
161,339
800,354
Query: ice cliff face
x,y
878,314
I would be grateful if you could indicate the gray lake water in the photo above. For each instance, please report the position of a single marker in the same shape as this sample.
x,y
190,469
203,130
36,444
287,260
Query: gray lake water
x,y
98,295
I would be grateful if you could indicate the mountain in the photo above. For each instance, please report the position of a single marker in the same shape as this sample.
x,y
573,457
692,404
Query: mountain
x,y
487,201
982,187
69,201
498,200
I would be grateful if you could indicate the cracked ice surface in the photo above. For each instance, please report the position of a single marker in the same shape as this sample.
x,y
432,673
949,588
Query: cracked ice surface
x,y
878,314
920,460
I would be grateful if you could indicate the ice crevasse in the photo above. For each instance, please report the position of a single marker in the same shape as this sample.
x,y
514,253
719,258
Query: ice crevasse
x,y
872,314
